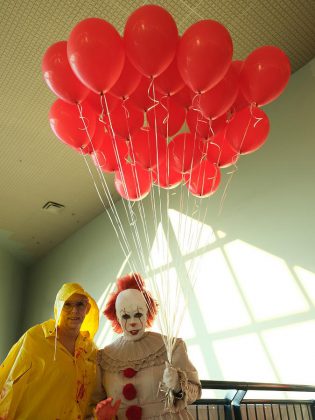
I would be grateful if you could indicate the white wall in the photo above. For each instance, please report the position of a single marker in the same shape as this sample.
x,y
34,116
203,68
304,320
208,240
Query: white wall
x,y
13,276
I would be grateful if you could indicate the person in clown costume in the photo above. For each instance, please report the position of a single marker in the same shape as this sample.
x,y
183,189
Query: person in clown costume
x,y
134,370
51,371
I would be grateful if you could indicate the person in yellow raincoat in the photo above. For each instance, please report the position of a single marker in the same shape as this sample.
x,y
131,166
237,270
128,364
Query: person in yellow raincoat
x,y
50,372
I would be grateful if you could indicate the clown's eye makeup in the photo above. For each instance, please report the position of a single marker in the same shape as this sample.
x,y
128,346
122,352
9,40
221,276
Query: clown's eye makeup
x,y
138,315
126,316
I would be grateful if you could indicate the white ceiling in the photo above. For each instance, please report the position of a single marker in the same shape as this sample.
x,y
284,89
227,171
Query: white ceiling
x,y
34,166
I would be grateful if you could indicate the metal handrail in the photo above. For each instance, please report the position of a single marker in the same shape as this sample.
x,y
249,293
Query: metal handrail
x,y
255,386
236,392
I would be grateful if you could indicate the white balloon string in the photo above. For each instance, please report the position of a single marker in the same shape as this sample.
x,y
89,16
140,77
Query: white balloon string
x,y
153,99
195,241
140,210
106,191
231,174
163,250
125,252
130,215
100,173
140,204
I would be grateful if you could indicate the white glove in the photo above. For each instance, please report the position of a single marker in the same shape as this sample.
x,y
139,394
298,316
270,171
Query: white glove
x,y
171,378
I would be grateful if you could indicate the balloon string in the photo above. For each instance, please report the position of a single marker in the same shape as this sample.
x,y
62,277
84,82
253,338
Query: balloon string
x,y
140,207
127,113
133,223
98,192
184,215
130,215
236,156
224,195
153,99
164,317
253,105
167,326
102,178
227,185
166,108
198,235
103,183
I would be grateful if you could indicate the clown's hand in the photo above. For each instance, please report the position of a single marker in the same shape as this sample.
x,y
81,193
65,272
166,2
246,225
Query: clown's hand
x,y
105,410
171,378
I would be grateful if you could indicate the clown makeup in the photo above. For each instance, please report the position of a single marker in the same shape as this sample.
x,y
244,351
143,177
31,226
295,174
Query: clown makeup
x,y
131,312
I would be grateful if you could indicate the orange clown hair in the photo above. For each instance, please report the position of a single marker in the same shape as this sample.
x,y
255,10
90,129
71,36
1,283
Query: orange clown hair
x,y
130,281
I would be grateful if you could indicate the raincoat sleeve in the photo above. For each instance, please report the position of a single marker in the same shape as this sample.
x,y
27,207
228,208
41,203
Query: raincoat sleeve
x,y
13,373
98,393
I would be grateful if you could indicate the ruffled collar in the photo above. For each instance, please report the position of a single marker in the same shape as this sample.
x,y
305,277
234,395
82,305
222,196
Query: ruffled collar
x,y
149,350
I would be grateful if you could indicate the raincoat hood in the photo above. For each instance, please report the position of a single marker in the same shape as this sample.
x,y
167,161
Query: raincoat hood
x,y
91,319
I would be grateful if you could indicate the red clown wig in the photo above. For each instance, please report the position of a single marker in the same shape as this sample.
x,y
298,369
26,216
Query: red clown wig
x,y
130,281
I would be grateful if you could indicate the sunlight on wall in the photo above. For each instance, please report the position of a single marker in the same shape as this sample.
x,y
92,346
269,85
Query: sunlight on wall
x,y
307,279
242,293
173,317
195,354
292,350
218,297
244,313
160,254
191,234
243,357
105,334
266,281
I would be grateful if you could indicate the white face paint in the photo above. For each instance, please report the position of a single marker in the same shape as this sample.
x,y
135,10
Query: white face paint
x,y
131,312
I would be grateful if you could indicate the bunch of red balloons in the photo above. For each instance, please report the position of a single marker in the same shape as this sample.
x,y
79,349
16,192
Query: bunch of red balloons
x,y
124,100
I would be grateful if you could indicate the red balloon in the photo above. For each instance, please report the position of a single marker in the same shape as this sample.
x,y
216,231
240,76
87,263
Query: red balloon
x,y
67,125
151,38
133,182
97,141
184,97
204,55
265,75
167,116
147,148
112,155
170,81
85,150
218,100
197,123
143,96
204,179
219,151
94,100
59,75
164,175
238,66
127,82
125,120
96,54
185,152
204,127
248,130
240,102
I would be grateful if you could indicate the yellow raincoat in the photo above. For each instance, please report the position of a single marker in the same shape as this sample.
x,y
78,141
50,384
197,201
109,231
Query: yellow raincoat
x,y
39,381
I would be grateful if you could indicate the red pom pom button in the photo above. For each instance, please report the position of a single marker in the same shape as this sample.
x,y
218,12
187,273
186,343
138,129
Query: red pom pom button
x,y
129,372
129,392
134,412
